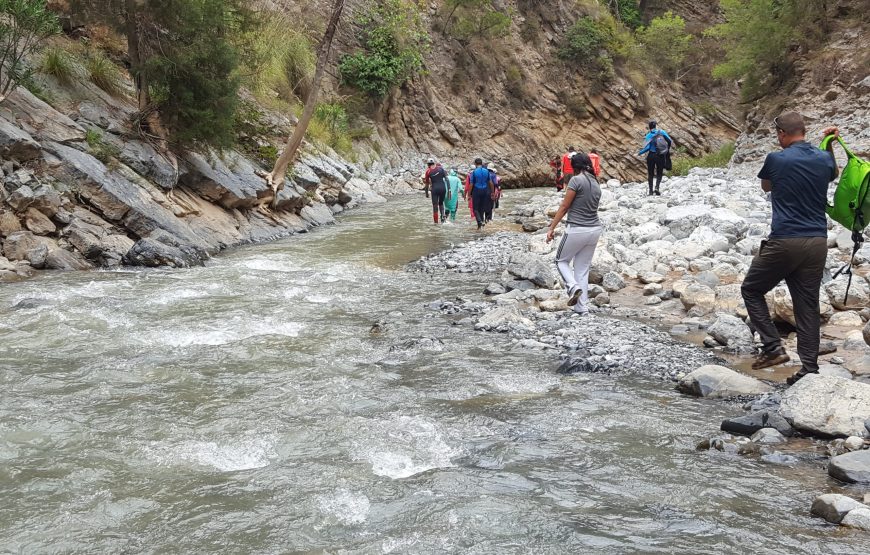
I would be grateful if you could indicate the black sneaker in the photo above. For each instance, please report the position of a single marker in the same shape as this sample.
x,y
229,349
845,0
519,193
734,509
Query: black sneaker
x,y
794,378
658,194
575,296
766,360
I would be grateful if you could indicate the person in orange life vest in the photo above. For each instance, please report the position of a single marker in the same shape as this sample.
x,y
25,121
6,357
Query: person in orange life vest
x,y
596,162
567,170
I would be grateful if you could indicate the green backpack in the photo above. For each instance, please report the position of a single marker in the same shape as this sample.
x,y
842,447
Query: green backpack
x,y
851,203
852,199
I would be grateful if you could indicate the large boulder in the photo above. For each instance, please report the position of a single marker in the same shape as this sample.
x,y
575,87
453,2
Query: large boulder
x,y
38,223
782,307
682,220
98,243
833,507
858,518
9,223
24,245
827,406
532,268
731,331
720,382
851,467
613,282
60,259
152,252
698,296
859,293
228,179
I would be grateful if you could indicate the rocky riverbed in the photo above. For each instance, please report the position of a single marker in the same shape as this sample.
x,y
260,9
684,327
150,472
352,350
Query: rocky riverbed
x,y
666,280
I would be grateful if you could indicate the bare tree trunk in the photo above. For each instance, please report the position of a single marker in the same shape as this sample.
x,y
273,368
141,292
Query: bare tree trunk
x,y
275,178
134,38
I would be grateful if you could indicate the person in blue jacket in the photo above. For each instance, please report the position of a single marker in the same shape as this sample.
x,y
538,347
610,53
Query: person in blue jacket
x,y
657,147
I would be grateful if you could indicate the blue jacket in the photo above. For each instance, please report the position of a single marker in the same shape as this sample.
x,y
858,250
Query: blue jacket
x,y
650,145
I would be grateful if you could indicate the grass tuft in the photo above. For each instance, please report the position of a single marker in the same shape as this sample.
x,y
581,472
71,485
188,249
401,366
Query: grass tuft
x,y
61,64
104,73
716,159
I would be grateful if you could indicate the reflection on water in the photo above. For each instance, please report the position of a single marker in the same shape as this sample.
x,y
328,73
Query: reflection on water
x,y
246,407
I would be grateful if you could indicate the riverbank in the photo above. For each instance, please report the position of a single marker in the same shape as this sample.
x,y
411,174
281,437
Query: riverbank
x,y
667,304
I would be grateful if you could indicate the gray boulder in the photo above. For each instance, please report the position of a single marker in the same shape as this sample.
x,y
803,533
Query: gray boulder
x,y
60,259
827,406
731,331
501,317
833,507
494,289
613,282
24,245
859,293
698,295
16,143
228,179
532,268
851,467
38,223
151,252
719,382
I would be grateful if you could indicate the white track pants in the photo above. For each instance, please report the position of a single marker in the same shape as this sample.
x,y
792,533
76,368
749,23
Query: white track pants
x,y
574,258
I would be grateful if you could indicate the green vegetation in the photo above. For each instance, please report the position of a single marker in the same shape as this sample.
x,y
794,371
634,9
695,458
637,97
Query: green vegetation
x,y
758,34
393,42
192,75
717,159
476,19
282,58
106,153
590,43
103,72
665,42
61,64
24,26
627,11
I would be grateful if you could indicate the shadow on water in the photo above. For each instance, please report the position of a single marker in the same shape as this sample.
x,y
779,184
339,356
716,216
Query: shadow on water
x,y
246,407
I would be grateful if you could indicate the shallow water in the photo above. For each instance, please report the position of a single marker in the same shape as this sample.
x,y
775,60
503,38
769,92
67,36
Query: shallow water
x,y
246,407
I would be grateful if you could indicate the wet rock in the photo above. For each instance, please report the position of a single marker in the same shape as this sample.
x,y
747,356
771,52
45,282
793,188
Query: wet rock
x,y
751,423
851,467
720,382
833,507
577,365
768,436
501,317
151,252
827,406
779,459
532,268
731,332
858,518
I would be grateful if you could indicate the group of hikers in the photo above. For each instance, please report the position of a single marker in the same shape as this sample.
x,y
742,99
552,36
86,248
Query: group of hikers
x,y
482,191
797,178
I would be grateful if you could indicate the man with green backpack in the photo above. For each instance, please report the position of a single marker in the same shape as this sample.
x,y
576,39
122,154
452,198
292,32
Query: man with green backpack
x,y
797,177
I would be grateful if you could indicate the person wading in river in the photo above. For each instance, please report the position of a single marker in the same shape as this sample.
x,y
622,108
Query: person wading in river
x,y
482,190
582,232
454,192
436,178
797,179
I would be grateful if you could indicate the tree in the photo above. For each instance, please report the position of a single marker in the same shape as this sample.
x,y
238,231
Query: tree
x,y
24,25
275,178
665,42
476,19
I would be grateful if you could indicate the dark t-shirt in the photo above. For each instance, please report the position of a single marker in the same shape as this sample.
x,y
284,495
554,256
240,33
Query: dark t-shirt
x,y
799,176
437,177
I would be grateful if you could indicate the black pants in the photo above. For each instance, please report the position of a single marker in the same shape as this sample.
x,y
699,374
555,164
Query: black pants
x,y
480,201
655,168
800,261
439,193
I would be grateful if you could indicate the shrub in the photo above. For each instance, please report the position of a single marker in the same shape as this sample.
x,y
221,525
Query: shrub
x,y
61,64
393,42
716,159
665,42
24,26
531,31
99,149
576,105
757,35
627,11
282,58
478,19
591,44
103,72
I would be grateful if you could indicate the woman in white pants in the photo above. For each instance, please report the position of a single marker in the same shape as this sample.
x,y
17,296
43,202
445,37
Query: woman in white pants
x,y
581,234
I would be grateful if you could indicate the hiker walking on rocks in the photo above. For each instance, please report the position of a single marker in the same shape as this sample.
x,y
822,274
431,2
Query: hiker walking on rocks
x,y
657,147
454,191
436,178
583,229
567,168
797,179
482,190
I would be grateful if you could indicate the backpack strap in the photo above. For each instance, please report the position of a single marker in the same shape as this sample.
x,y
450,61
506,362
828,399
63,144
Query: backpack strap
x,y
827,141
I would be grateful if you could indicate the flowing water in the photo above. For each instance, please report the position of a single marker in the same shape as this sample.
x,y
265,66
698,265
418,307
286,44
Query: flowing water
x,y
247,407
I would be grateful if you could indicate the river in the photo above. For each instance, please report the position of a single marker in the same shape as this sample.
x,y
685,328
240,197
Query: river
x,y
247,407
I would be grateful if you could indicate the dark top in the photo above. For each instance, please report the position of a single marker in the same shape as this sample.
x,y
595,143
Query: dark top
x,y
583,211
480,178
799,177
437,177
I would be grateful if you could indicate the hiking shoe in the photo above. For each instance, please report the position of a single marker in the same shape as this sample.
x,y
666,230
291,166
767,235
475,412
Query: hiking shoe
x,y
658,194
793,379
575,296
766,360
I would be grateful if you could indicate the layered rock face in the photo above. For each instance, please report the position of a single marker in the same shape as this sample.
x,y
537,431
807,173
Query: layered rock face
x,y
82,190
